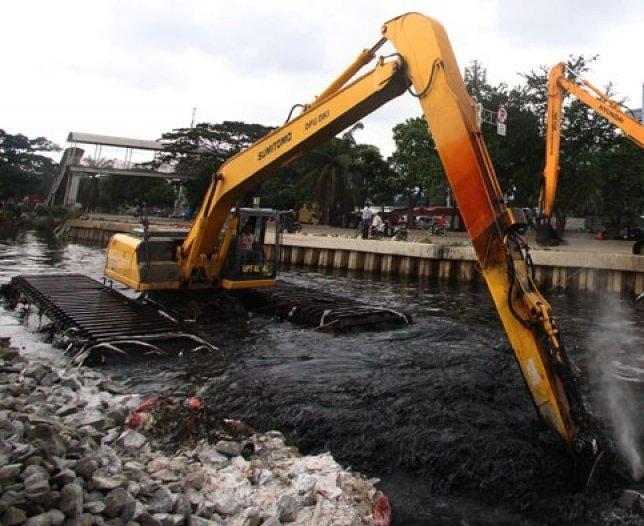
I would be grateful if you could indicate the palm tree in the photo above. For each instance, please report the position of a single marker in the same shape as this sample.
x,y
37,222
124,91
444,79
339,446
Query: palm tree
x,y
334,177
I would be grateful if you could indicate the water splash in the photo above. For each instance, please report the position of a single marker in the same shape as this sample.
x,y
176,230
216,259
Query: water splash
x,y
613,348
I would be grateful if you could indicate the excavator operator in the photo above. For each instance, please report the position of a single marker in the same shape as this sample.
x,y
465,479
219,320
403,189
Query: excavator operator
x,y
250,249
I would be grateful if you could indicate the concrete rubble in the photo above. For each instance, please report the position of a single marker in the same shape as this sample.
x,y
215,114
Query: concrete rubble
x,y
72,455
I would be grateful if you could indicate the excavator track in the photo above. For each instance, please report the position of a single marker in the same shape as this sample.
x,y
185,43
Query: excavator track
x,y
324,311
95,316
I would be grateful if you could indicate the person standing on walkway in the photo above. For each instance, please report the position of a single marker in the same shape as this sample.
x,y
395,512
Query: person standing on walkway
x,y
367,215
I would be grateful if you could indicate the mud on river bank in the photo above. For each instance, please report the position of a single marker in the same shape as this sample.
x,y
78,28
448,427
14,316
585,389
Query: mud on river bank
x,y
438,410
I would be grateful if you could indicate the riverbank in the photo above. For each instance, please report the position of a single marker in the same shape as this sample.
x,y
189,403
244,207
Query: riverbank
x,y
44,218
584,264
78,448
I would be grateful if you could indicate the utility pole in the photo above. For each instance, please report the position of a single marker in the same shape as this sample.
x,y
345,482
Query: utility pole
x,y
181,194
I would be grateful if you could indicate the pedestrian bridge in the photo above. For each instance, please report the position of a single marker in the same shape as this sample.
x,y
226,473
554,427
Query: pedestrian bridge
x,y
76,163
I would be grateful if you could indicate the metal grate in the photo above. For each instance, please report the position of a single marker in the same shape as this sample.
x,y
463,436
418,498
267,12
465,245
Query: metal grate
x,y
100,320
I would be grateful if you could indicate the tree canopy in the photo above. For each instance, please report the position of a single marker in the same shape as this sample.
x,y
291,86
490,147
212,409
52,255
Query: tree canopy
x,y
24,170
602,174
200,150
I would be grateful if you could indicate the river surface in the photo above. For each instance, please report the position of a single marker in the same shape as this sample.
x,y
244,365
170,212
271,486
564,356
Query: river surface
x,y
437,410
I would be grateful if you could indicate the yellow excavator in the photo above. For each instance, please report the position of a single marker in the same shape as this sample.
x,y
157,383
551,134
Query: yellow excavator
x,y
215,252
558,85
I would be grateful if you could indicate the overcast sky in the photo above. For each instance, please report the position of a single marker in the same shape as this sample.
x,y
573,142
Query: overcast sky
x,y
137,68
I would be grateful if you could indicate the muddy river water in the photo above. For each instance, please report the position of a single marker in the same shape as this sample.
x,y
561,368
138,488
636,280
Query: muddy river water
x,y
437,410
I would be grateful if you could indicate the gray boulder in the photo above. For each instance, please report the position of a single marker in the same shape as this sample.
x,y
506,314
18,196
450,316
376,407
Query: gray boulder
x,y
9,473
228,447
161,501
71,500
101,480
44,519
212,456
83,520
86,467
14,497
200,521
95,507
147,519
170,519
287,508
37,488
13,516
63,477
129,510
206,508
115,500
226,504
132,440
182,506
57,517
195,480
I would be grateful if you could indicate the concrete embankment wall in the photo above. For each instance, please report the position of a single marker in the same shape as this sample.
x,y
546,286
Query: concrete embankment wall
x,y
592,270
94,232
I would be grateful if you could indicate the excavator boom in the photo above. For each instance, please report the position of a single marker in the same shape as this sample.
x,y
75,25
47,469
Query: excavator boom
x,y
602,104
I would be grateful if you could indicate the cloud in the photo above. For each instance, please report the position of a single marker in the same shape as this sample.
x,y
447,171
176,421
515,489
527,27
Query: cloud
x,y
259,36
561,23
137,68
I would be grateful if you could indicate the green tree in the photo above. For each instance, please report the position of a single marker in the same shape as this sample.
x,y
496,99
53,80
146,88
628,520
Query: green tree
x,y
416,167
23,168
202,149
518,156
332,177
282,190
339,175
375,176
116,191
88,193
622,190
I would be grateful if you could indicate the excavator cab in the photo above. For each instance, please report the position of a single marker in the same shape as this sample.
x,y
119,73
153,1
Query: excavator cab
x,y
250,263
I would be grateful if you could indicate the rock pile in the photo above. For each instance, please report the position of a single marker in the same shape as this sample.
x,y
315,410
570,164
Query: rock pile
x,y
67,458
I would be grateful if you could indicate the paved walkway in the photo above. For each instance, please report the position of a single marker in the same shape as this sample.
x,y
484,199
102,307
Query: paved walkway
x,y
576,242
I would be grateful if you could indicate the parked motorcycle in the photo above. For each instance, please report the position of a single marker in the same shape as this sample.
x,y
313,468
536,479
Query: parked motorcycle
x,y
377,232
289,222
438,230
400,233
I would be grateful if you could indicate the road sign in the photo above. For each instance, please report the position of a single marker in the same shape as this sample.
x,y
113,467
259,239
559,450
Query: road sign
x,y
501,120
502,115
479,114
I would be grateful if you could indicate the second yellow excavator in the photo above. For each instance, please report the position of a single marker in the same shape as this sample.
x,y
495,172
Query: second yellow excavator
x,y
223,251
558,85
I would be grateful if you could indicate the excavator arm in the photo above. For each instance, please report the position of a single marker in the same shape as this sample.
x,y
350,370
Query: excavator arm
x,y
424,65
558,86
341,105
